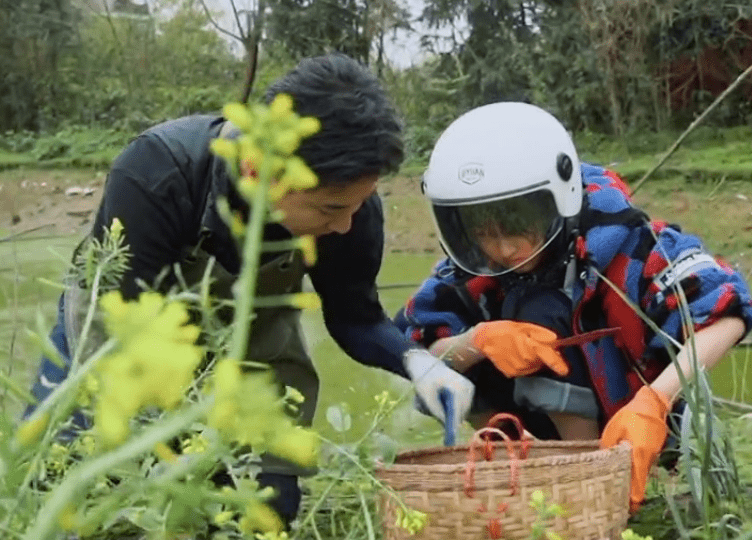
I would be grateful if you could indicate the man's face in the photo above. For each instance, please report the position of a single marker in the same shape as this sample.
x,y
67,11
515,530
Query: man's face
x,y
326,209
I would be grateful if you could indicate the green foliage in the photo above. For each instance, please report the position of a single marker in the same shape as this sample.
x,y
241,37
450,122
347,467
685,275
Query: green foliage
x,y
113,71
72,144
428,97
311,28
597,66
34,37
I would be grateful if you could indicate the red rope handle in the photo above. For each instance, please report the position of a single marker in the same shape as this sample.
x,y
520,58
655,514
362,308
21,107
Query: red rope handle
x,y
525,441
483,435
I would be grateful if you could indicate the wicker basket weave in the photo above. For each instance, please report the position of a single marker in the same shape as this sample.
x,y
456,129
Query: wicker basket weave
x,y
483,490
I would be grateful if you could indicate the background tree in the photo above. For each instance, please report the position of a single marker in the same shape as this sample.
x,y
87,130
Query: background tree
x,y
34,37
607,65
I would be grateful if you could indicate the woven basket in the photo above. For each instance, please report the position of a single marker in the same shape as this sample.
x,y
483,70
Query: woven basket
x,y
483,490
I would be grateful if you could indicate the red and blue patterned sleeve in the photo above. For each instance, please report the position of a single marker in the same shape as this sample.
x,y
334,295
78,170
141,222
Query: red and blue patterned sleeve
x,y
649,278
646,261
447,303
713,289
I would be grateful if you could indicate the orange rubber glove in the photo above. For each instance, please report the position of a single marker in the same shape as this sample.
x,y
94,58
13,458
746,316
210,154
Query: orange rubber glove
x,y
642,422
519,348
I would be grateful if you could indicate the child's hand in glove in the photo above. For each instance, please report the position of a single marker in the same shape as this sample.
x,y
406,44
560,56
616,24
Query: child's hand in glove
x,y
642,422
519,348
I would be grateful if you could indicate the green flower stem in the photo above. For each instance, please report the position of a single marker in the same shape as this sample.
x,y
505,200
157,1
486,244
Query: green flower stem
x,y
281,300
66,389
383,413
312,511
165,481
366,516
375,481
76,360
235,498
281,245
246,283
16,389
80,477
11,533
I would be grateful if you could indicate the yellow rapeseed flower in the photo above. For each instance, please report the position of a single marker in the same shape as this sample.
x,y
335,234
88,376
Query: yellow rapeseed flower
x,y
238,114
31,430
67,518
277,190
307,246
298,175
305,300
164,452
250,153
225,148
259,517
196,444
220,518
308,125
153,365
247,187
237,225
116,228
286,141
280,108
298,445
259,422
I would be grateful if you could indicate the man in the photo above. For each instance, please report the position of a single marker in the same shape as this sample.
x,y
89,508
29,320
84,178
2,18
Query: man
x,y
164,188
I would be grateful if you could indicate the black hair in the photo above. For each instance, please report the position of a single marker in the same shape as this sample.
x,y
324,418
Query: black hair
x,y
360,131
531,214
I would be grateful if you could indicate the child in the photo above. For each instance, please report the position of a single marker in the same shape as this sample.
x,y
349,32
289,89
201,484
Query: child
x,y
542,247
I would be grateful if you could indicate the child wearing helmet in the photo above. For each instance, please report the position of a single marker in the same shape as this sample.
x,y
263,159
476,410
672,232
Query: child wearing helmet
x,y
542,247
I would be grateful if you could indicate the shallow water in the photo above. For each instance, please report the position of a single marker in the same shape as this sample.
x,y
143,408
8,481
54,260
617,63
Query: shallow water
x,y
347,401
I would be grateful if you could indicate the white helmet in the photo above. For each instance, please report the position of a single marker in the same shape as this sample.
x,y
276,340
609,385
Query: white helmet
x,y
510,165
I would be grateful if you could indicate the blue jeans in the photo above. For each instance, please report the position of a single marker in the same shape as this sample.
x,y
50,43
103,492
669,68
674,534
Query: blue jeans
x,y
50,375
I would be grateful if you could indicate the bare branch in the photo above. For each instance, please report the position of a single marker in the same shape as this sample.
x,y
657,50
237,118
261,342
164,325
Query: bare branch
x,y
237,20
692,126
216,25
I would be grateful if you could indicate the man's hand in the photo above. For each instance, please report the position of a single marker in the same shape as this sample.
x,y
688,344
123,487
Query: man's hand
x,y
642,422
434,382
519,348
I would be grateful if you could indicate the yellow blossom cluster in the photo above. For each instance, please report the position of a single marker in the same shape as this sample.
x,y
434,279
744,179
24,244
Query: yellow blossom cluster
x,y
259,422
31,430
260,517
269,136
413,521
153,364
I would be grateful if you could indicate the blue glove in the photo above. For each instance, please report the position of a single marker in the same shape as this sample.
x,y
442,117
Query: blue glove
x,y
444,393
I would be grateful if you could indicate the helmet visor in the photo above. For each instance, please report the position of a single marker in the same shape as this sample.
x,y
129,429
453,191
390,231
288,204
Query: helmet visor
x,y
499,236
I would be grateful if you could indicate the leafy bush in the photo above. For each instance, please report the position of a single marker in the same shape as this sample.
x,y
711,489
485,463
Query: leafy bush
x,y
76,142
20,141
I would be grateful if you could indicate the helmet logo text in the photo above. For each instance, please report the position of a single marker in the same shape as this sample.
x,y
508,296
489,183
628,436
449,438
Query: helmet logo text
x,y
470,173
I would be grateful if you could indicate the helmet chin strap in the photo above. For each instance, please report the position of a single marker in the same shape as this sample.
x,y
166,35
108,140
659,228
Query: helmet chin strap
x,y
561,253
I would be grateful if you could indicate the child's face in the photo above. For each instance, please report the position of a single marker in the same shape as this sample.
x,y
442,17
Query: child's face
x,y
519,253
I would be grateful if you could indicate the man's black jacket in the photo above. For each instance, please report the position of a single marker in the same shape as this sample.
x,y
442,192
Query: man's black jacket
x,y
163,188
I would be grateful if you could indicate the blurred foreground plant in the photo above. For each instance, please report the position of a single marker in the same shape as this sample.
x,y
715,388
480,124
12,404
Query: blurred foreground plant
x,y
159,433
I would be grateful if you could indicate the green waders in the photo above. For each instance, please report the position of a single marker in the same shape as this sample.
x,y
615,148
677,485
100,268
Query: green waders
x,y
276,336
